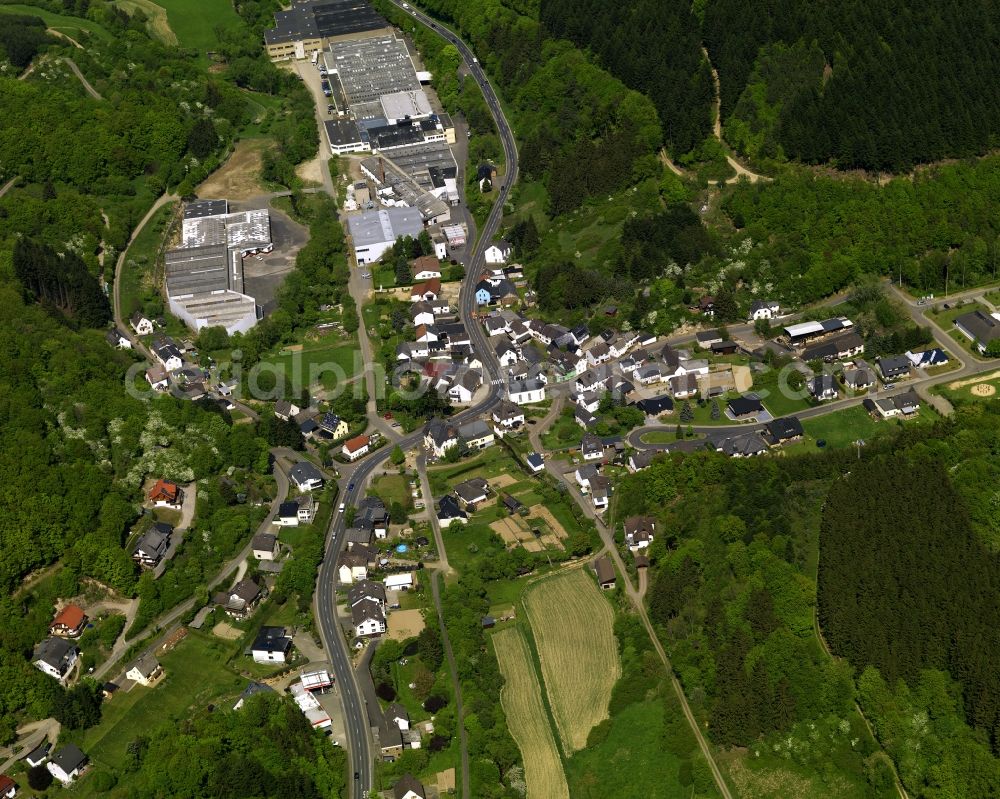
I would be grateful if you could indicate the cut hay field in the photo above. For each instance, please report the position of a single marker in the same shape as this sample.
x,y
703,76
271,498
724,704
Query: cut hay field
x,y
521,697
572,625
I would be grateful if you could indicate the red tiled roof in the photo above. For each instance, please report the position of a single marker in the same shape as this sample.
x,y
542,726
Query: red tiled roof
x,y
433,285
6,783
164,489
70,617
356,443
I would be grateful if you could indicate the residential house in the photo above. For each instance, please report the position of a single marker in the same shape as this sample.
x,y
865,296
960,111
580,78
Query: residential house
x,y
836,349
506,354
472,492
484,293
584,474
605,572
591,447
598,354
507,416
903,404
119,341
724,348
285,409
639,532
8,788
655,406
166,494
408,788
692,366
145,670
746,407
426,267
168,355
353,566
706,305
373,516
524,392
476,435
650,374
783,430
741,445
67,764
264,546
367,590
440,436
151,547
428,290
450,511
465,386
356,447
859,377
640,459
894,368
307,508
305,476
157,377
763,309
600,489
240,600
518,332
706,338
69,622
596,379
142,325
498,252
334,425
421,313
932,357
272,645
585,417
288,514
396,715
252,689
535,462
358,536
55,657
684,386
981,328
823,387
496,325
368,618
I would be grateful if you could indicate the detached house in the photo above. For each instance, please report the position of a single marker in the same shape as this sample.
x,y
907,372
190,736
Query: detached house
x,y
264,546
119,341
498,252
763,309
471,492
440,436
157,377
353,566
408,788
894,368
241,600
285,409
427,291
305,476
746,407
356,447
476,435
823,387
150,549
368,617
859,377
507,416
67,764
605,572
450,511
426,267
146,670
591,447
166,494
69,622
272,645
168,355
600,489
142,325
334,425
639,532
55,657
524,392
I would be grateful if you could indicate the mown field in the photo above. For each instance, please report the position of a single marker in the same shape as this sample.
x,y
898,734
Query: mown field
x,y
194,21
572,625
521,697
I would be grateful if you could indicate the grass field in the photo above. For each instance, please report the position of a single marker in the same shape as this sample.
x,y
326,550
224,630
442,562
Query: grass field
x,y
327,361
521,697
137,271
194,21
71,26
394,488
195,675
573,629
156,15
843,428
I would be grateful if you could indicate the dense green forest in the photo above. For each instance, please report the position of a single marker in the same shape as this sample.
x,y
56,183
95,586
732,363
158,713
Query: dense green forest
x,y
653,47
21,36
906,594
877,85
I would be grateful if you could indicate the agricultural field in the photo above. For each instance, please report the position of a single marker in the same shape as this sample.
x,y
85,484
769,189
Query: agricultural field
x,y
521,697
572,624
70,26
156,16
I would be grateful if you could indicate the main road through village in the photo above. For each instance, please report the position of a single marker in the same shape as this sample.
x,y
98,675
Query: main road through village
x,y
356,721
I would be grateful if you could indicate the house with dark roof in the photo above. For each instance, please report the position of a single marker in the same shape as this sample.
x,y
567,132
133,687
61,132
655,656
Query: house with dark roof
x,y
904,404
145,670
38,755
860,376
741,445
763,309
894,368
640,459
240,601
264,546
780,431
67,764
450,511
440,436
684,386
272,645
639,532
535,462
408,787
745,407
932,357
706,338
835,349
600,490
655,406
253,688
305,476
471,492
55,657
981,328
591,447
822,387
605,572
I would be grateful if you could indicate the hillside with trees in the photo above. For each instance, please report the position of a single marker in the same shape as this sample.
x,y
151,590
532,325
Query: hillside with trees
x,y
906,597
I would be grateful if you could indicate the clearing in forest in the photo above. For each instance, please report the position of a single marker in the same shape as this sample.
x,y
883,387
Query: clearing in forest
x,y
521,697
573,628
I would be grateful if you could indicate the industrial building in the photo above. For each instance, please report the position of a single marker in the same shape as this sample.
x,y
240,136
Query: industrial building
x,y
395,187
309,26
345,136
374,232
204,276
372,67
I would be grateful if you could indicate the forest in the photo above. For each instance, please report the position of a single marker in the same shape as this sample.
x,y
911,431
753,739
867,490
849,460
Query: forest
x,y
653,47
909,617
873,85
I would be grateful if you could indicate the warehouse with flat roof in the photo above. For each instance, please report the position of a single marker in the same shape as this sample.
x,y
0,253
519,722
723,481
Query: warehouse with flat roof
x,y
309,26
345,136
372,67
374,232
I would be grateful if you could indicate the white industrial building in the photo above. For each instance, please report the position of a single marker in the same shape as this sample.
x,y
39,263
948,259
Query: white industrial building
x,y
374,232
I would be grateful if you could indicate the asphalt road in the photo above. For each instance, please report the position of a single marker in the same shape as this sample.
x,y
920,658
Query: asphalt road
x,y
356,720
